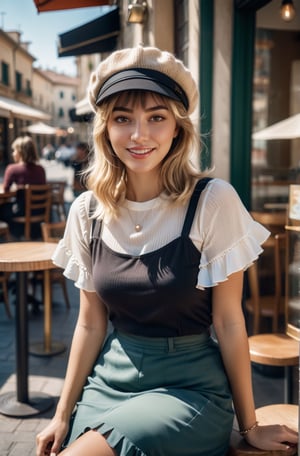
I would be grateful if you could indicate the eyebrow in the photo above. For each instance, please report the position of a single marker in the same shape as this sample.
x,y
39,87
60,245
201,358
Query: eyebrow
x,y
152,108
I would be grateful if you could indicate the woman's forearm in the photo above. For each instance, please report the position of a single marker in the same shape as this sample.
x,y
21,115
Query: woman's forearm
x,y
89,334
234,347
85,348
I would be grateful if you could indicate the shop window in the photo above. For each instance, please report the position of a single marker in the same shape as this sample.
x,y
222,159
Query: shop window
x,y
181,9
5,73
275,161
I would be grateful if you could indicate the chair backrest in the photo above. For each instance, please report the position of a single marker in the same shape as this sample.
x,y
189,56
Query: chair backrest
x,y
53,231
37,207
58,198
254,285
273,221
4,231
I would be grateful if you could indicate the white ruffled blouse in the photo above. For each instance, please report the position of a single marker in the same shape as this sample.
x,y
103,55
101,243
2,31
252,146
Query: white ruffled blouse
x,y
223,230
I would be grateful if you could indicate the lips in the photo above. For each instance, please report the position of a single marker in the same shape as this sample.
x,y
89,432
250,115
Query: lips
x,y
140,151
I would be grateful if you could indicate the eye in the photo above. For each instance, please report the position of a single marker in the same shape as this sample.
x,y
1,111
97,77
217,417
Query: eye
x,y
157,118
121,119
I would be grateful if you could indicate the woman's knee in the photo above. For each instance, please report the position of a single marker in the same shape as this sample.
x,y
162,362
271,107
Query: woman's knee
x,y
92,443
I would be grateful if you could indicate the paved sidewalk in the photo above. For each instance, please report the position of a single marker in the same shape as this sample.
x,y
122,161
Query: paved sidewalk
x,y
17,435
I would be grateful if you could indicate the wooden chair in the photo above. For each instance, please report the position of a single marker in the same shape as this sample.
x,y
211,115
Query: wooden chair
x,y
267,305
58,199
4,231
273,221
271,414
53,232
37,209
4,276
273,349
276,350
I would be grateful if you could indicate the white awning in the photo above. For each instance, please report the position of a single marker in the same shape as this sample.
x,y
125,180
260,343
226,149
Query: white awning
x,y
285,129
40,128
10,107
83,107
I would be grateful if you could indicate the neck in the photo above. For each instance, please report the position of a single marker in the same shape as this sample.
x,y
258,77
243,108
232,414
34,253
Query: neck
x,y
141,188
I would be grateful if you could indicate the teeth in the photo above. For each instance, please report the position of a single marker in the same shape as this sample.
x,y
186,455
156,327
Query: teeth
x,y
143,152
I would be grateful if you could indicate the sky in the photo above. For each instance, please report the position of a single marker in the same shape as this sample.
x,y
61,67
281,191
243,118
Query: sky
x,y
42,30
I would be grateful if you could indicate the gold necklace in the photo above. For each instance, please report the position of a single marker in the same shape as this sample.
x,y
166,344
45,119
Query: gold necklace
x,y
138,226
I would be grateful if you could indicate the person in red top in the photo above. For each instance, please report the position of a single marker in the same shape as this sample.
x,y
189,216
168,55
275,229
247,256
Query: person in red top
x,y
25,170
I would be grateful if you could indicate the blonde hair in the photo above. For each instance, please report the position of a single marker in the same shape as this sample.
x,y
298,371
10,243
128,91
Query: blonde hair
x,y
106,176
26,148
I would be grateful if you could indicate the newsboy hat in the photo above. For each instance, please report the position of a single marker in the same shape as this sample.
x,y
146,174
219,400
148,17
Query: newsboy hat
x,y
143,68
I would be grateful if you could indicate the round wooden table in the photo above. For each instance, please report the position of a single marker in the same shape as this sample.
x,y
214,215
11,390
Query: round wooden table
x,y
21,258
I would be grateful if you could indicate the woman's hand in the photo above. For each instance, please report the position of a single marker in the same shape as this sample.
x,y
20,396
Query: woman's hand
x,y
272,437
49,441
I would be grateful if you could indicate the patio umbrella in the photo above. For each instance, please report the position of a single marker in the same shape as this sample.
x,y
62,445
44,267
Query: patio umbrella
x,y
285,129
40,128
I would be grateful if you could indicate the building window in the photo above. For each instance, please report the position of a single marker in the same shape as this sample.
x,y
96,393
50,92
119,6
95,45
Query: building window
x,y
61,112
18,82
73,97
181,8
4,73
28,89
61,95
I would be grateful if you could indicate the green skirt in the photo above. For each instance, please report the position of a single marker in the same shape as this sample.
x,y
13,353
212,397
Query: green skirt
x,y
158,397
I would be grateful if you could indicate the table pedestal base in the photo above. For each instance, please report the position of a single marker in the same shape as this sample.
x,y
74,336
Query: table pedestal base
x,y
37,403
39,349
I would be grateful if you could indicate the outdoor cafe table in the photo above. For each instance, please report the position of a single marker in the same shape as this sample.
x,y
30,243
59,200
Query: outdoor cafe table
x,y
7,196
21,258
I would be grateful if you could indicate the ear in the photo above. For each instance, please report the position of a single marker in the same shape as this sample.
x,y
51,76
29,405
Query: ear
x,y
176,131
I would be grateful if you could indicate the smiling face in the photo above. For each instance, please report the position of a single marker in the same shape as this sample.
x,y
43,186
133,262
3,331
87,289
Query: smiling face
x,y
141,132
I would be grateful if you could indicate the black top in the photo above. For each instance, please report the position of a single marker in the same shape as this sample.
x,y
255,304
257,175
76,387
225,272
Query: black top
x,y
154,294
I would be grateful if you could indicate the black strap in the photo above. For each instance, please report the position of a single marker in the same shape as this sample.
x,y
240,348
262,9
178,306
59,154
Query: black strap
x,y
92,206
200,186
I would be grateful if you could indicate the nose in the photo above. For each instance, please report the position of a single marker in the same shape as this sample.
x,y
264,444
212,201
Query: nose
x,y
140,131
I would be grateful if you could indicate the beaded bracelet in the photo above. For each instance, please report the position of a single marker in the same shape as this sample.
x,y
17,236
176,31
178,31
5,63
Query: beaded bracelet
x,y
245,431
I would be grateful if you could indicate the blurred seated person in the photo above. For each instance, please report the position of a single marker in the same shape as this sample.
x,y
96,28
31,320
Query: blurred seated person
x,y
79,163
48,152
24,170
65,153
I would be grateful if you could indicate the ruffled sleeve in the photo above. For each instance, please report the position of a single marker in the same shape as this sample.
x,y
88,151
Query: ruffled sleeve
x,y
73,251
230,240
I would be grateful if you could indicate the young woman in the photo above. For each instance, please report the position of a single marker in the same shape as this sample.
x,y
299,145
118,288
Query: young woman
x,y
24,170
158,251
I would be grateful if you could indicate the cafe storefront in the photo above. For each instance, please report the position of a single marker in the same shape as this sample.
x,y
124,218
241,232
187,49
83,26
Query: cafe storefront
x,y
14,116
275,153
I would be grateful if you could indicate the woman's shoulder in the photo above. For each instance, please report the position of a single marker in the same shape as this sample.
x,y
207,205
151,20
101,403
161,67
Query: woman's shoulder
x,y
217,184
83,200
218,191
13,166
14,169
84,204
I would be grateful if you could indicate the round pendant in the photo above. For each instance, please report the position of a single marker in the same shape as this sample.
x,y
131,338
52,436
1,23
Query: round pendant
x,y
138,228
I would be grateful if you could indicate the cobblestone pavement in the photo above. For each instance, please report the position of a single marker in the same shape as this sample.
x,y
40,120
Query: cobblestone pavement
x,y
46,374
